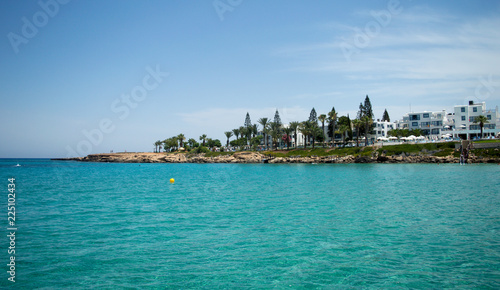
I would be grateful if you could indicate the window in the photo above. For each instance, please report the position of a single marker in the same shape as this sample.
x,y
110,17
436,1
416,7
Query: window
x,y
414,117
462,109
426,115
414,124
472,119
435,131
424,124
489,117
474,109
438,116
474,127
426,132
437,123
463,118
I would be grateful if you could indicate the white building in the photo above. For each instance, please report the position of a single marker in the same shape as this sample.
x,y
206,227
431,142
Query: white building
x,y
380,129
466,115
433,125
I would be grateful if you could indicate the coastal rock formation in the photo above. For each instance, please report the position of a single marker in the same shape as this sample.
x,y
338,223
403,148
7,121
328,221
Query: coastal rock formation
x,y
248,157
254,157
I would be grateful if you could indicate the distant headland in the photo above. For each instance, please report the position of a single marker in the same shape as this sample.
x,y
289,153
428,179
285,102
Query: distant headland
x,y
445,152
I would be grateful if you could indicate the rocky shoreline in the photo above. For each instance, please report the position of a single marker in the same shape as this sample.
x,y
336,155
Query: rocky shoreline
x,y
254,157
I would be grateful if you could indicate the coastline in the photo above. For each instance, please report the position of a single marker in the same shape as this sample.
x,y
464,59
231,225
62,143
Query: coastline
x,y
254,157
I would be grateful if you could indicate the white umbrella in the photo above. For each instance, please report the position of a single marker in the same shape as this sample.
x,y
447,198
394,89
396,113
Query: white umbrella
x,y
411,137
393,138
420,138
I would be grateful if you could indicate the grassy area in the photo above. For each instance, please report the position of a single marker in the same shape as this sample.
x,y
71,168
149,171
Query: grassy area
x,y
488,141
487,153
355,151
437,149
434,149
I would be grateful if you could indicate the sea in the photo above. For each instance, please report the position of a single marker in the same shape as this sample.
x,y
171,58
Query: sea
x,y
248,226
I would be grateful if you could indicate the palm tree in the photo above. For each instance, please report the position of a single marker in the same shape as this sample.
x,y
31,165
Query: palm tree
x,y
332,119
306,130
357,125
264,122
255,130
343,129
287,138
367,121
316,131
157,146
481,120
245,132
228,135
181,139
294,126
236,133
322,119
203,138
275,129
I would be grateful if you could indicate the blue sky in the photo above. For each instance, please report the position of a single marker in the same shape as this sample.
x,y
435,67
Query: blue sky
x,y
62,83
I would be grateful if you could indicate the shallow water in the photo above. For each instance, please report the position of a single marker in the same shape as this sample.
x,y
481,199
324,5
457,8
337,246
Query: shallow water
x,y
102,225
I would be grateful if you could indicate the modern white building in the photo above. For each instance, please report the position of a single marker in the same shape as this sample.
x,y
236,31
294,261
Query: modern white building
x,y
432,124
465,117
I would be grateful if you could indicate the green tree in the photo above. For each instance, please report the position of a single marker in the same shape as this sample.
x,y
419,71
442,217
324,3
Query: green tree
x,y
248,122
481,120
385,116
345,128
275,131
332,123
322,119
305,131
365,114
236,133
287,136
158,146
192,143
203,138
277,119
246,132
313,117
228,134
213,143
357,123
255,130
367,121
181,139
264,122
256,141
295,126
279,124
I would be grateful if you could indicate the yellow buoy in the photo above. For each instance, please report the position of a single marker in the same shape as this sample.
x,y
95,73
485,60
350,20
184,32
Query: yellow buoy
x,y
172,180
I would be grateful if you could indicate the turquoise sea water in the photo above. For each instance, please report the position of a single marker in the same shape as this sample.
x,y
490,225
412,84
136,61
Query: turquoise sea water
x,y
103,225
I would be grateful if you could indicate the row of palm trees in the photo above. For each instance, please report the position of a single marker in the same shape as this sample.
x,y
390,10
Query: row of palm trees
x,y
310,129
179,142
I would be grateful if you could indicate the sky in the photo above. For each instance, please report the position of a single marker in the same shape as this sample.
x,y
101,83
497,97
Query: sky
x,y
80,77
